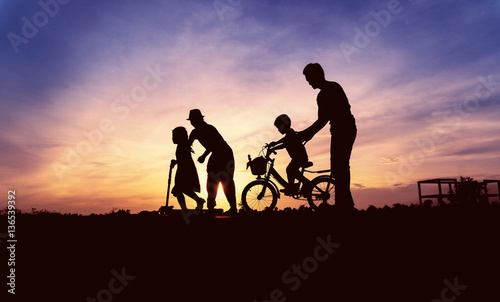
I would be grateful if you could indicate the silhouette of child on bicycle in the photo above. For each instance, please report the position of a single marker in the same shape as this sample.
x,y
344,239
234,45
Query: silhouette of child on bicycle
x,y
186,177
293,145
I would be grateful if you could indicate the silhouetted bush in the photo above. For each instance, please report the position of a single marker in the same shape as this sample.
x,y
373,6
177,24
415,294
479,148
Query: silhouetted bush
x,y
34,211
399,206
427,203
120,212
467,191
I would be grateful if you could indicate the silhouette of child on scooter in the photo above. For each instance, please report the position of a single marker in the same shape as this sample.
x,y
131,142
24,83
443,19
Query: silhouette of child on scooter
x,y
186,177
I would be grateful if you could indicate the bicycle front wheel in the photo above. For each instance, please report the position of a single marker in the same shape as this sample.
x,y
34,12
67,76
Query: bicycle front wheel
x,y
322,191
259,196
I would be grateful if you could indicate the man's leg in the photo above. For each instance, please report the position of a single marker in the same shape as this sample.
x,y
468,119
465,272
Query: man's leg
x,y
212,187
229,189
228,186
341,148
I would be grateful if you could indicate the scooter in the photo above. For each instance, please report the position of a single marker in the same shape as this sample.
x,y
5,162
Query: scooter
x,y
164,210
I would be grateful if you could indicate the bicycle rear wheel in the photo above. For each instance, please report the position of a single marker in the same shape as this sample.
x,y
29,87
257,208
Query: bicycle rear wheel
x,y
323,191
259,196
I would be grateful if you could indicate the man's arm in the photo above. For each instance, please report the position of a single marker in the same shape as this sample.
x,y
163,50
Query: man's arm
x,y
311,131
201,159
192,138
323,118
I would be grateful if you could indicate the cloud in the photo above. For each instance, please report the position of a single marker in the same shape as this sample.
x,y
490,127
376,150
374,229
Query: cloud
x,y
389,160
358,186
491,147
379,197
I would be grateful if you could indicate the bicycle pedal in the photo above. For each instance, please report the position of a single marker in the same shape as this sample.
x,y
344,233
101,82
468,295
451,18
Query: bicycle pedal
x,y
288,193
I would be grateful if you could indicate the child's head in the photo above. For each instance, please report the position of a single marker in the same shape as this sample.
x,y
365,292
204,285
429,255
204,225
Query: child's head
x,y
179,135
283,123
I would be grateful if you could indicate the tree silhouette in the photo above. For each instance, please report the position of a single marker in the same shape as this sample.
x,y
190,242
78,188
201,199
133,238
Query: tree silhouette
x,y
467,191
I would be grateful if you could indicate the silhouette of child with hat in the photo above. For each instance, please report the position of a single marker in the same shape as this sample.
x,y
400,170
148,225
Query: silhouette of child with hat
x,y
186,177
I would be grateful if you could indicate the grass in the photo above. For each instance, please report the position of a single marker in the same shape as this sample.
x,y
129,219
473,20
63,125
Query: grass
x,y
399,253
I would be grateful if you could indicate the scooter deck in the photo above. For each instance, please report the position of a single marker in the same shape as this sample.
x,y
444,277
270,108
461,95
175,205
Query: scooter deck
x,y
171,211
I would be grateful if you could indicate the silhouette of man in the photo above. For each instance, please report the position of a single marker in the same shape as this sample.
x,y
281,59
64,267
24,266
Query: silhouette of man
x,y
333,107
220,165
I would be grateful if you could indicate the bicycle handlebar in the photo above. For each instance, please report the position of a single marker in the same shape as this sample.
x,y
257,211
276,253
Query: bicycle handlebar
x,y
269,150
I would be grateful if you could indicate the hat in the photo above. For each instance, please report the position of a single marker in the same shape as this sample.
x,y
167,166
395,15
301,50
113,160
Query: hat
x,y
195,114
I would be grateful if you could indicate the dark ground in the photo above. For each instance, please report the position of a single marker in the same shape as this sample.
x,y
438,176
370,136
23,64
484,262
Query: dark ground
x,y
400,254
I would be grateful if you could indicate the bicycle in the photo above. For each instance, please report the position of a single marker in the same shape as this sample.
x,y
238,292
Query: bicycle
x,y
262,194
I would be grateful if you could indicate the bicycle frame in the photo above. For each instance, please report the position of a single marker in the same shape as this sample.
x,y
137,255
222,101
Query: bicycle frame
x,y
275,174
263,193
272,172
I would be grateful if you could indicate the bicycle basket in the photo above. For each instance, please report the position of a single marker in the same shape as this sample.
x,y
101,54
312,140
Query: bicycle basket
x,y
258,165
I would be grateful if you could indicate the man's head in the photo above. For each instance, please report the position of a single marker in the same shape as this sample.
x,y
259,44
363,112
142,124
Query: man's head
x,y
195,117
283,123
315,75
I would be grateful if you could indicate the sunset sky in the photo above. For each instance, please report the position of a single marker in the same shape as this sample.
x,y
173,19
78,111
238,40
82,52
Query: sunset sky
x,y
91,90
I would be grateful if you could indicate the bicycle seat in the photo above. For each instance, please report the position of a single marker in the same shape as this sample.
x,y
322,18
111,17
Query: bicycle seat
x,y
308,164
